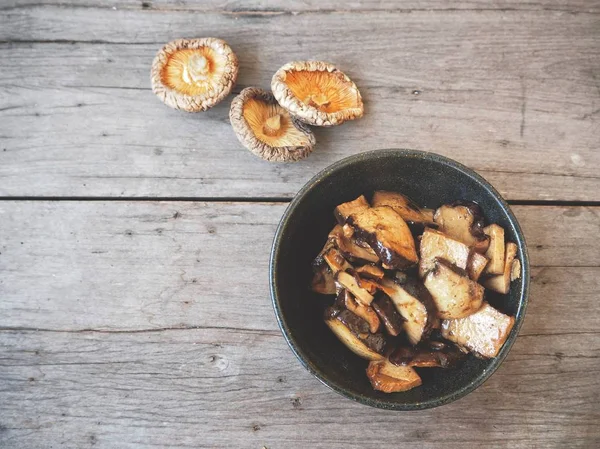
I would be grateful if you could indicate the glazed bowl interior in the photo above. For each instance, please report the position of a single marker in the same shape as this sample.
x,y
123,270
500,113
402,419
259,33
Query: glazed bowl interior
x,y
429,179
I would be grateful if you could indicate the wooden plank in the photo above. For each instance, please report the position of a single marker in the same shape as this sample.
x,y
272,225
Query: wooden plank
x,y
145,265
184,350
219,388
507,93
247,7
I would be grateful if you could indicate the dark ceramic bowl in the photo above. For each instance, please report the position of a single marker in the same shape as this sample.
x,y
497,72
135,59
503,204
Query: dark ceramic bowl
x,y
429,179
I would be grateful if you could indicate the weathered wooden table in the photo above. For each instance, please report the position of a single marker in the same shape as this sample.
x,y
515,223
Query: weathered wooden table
x,y
134,239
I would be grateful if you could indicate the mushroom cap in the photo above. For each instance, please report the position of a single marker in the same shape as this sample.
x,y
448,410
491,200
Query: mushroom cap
x,y
194,74
317,93
267,129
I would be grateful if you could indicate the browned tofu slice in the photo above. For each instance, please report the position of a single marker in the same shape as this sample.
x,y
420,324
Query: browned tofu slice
x,y
344,210
388,234
495,251
389,378
476,265
435,244
464,222
501,282
404,206
483,332
454,294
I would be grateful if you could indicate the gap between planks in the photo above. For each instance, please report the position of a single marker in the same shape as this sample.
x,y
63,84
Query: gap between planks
x,y
257,200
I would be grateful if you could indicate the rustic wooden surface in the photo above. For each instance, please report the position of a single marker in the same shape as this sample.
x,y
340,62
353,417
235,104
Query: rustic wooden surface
x,y
497,89
129,322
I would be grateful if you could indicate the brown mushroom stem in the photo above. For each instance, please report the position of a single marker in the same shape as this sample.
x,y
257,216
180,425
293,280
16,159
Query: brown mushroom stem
x,y
272,125
196,70
318,101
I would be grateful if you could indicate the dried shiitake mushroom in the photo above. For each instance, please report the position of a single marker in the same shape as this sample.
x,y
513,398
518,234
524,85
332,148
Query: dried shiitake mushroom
x,y
194,74
267,129
317,93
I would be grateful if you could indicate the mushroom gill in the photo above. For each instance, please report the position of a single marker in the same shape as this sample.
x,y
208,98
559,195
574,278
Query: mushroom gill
x,y
267,129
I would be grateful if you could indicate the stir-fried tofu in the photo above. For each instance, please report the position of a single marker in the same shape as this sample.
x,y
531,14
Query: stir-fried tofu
x,y
455,295
483,332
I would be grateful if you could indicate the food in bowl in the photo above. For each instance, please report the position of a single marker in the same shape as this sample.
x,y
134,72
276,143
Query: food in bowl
x,y
411,283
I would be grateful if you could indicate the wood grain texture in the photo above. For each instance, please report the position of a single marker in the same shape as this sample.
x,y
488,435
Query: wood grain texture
x,y
513,94
144,265
273,7
145,324
209,388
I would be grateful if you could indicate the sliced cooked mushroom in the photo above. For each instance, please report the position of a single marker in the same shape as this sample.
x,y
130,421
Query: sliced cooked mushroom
x,y
317,93
515,271
319,261
323,281
349,282
463,221
476,265
416,289
404,206
390,317
267,129
349,248
455,295
435,244
194,74
370,271
483,332
388,234
495,251
360,310
336,261
427,357
344,210
389,378
348,230
411,309
501,282
351,331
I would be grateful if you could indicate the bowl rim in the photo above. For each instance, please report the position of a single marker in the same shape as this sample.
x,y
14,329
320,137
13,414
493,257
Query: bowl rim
x,y
299,353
